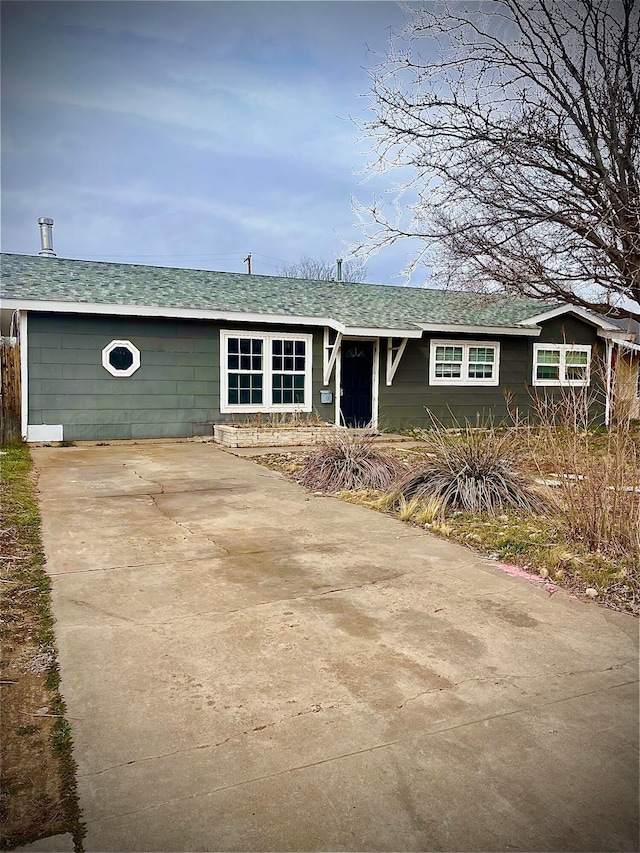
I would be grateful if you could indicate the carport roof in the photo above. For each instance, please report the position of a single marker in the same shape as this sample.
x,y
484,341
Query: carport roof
x,y
41,283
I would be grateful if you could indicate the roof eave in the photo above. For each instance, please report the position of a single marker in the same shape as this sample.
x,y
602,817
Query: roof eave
x,y
57,307
583,313
477,329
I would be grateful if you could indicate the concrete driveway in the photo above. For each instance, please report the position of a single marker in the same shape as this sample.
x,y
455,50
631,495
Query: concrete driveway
x,y
250,668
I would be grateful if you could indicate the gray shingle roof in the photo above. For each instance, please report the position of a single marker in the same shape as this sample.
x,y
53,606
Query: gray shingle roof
x,y
371,306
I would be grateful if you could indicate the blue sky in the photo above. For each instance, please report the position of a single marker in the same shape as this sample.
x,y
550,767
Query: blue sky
x,y
190,133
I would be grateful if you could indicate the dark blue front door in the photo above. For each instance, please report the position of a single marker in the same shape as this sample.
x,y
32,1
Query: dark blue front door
x,y
357,383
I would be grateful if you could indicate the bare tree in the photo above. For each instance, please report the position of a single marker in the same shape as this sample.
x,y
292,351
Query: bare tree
x,y
514,127
320,270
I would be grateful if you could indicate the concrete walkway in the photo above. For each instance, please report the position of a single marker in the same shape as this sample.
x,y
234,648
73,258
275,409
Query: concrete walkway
x,y
250,668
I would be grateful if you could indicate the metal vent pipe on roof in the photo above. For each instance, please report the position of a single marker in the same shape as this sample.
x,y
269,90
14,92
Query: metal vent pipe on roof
x,y
46,237
339,263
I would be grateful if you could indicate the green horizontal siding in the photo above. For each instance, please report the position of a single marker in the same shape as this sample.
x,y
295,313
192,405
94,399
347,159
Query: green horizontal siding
x,y
174,393
402,404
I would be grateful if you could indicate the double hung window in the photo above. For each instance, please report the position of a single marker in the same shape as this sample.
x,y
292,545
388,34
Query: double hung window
x,y
464,363
264,372
561,364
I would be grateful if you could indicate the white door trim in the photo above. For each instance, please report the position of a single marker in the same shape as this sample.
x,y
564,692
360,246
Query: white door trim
x,y
375,378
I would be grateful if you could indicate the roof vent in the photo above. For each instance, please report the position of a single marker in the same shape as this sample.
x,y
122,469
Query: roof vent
x,y
46,237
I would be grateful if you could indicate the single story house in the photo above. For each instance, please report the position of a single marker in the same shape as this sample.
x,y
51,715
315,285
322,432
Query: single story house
x,y
124,351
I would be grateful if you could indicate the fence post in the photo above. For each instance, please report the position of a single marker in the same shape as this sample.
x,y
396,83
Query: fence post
x,y
10,392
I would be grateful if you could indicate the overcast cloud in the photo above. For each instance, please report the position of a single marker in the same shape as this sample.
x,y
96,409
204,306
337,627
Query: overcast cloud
x,y
189,133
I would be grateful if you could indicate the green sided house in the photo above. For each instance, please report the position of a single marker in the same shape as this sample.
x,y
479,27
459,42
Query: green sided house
x,y
120,351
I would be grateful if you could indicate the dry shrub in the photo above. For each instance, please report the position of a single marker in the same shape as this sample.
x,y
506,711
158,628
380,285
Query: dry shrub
x,y
470,469
597,473
348,461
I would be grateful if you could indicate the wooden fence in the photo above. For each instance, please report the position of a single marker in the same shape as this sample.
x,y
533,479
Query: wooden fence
x,y
10,394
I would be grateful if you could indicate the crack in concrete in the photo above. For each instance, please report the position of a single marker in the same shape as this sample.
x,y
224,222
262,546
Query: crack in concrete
x,y
130,566
515,677
183,526
145,480
314,709
357,752
362,585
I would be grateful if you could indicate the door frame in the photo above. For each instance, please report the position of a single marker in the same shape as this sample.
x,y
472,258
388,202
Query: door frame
x,y
375,377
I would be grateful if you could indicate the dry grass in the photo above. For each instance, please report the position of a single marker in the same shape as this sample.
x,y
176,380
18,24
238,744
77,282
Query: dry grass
x,y
472,470
348,461
596,473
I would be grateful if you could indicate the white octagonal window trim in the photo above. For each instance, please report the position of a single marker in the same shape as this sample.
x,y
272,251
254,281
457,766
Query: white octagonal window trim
x,y
121,358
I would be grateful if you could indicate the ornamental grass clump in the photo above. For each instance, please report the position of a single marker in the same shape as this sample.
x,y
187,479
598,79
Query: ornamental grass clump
x,y
470,469
348,461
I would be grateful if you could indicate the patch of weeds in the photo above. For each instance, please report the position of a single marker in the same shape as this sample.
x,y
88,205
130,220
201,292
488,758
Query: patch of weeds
x,y
38,785
348,461
470,469
25,731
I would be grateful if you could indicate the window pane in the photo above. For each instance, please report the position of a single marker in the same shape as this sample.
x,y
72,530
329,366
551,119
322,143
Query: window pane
x,y
448,371
121,358
298,382
233,362
299,363
576,358
548,356
579,373
288,347
245,388
480,371
448,353
245,346
547,372
483,354
276,348
288,362
300,347
234,345
277,362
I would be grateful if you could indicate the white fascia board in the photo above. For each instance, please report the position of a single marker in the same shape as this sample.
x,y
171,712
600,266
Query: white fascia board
x,y
619,336
366,332
56,307
480,330
589,316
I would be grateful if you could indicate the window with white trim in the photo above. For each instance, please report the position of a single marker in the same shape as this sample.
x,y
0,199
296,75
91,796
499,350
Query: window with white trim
x,y
121,358
561,364
264,372
464,363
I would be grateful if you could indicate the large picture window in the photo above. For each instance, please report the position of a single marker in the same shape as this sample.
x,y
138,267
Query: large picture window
x,y
264,372
464,363
561,364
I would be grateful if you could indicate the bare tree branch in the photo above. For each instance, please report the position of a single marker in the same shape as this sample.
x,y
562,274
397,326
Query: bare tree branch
x,y
518,123
321,270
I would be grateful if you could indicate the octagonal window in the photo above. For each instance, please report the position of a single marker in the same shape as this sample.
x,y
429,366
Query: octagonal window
x,y
121,358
